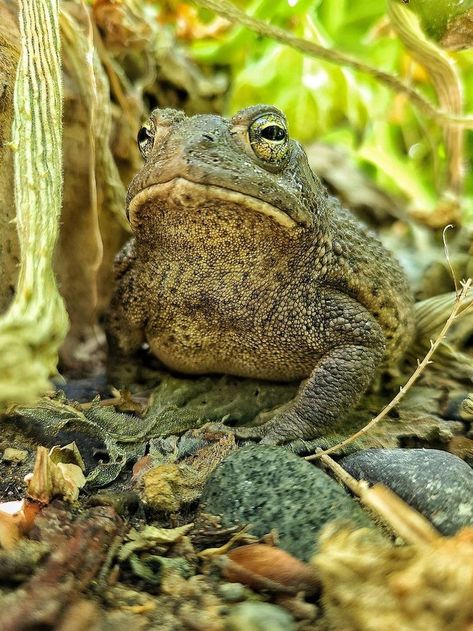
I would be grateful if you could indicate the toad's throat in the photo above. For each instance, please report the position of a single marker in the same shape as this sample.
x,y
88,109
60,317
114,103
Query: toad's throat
x,y
188,194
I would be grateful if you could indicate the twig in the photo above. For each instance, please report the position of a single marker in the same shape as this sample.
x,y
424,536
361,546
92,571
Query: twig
x,y
227,10
447,256
411,381
76,559
406,522
100,583
469,307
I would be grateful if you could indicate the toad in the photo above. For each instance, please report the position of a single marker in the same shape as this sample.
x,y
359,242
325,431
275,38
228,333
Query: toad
x,y
242,264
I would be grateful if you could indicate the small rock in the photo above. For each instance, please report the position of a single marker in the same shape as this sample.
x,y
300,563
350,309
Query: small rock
x,y
14,455
273,489
256,616
437,484
232,592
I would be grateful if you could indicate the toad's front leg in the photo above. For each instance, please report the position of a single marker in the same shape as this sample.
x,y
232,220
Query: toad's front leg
x,y
126,319
350,346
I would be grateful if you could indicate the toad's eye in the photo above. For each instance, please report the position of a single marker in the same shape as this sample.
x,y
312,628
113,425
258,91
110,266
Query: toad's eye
x,y
269,138
145,141
274,132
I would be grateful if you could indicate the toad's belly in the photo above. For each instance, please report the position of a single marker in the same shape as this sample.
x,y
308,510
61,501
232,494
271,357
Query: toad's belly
x,y
191,345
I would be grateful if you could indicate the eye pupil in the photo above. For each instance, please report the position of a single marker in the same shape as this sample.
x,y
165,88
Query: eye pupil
x,y
143,136
273,132
269,139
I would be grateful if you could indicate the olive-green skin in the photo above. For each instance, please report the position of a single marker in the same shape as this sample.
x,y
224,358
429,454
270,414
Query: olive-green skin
x,y
242,264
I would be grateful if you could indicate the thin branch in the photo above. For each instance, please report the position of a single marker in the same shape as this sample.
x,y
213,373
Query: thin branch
x,y
230,12
78,549
411,381
447,256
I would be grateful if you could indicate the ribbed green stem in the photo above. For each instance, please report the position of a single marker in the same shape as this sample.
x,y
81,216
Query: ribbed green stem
x,y
36,322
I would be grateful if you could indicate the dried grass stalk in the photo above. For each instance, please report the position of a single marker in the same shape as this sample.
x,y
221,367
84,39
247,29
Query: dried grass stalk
x,y
370,585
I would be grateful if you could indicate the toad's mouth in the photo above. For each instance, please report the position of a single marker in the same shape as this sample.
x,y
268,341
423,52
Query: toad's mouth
x,y
189,195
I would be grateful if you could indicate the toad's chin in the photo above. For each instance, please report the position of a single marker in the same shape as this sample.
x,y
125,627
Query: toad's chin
x,y
182,192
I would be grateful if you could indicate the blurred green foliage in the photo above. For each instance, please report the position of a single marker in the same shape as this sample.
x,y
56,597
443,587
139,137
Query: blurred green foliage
x,y
402,149
435,15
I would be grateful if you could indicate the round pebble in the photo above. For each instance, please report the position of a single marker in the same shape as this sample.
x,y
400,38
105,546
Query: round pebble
x,y
271,488
256,616
232,592
436,483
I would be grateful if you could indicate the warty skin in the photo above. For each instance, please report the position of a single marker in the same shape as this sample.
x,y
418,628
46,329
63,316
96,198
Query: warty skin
x,y
242,264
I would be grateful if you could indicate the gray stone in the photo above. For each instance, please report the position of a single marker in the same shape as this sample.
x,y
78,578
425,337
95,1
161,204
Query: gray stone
x,y
437,484
273,489
255,616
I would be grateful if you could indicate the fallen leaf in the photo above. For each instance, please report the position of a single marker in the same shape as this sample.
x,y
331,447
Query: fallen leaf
x,y
54,479
151,567
142,465
241,535
69,454
125,401
264,567
151,537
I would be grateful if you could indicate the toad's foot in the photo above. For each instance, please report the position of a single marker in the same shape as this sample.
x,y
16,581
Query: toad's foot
x,y
282,428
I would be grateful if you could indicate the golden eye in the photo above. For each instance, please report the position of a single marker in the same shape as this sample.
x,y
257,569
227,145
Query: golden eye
x,y
145,141
269,138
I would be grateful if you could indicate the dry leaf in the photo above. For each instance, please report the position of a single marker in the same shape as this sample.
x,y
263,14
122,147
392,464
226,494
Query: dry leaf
x,y
125,401
151,537
142,465
121,26
264,567
242,536
55,479
69,454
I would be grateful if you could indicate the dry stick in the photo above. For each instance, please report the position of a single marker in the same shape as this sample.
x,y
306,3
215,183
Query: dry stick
x,y
411,381
402,518
233,14
76,558
447,256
